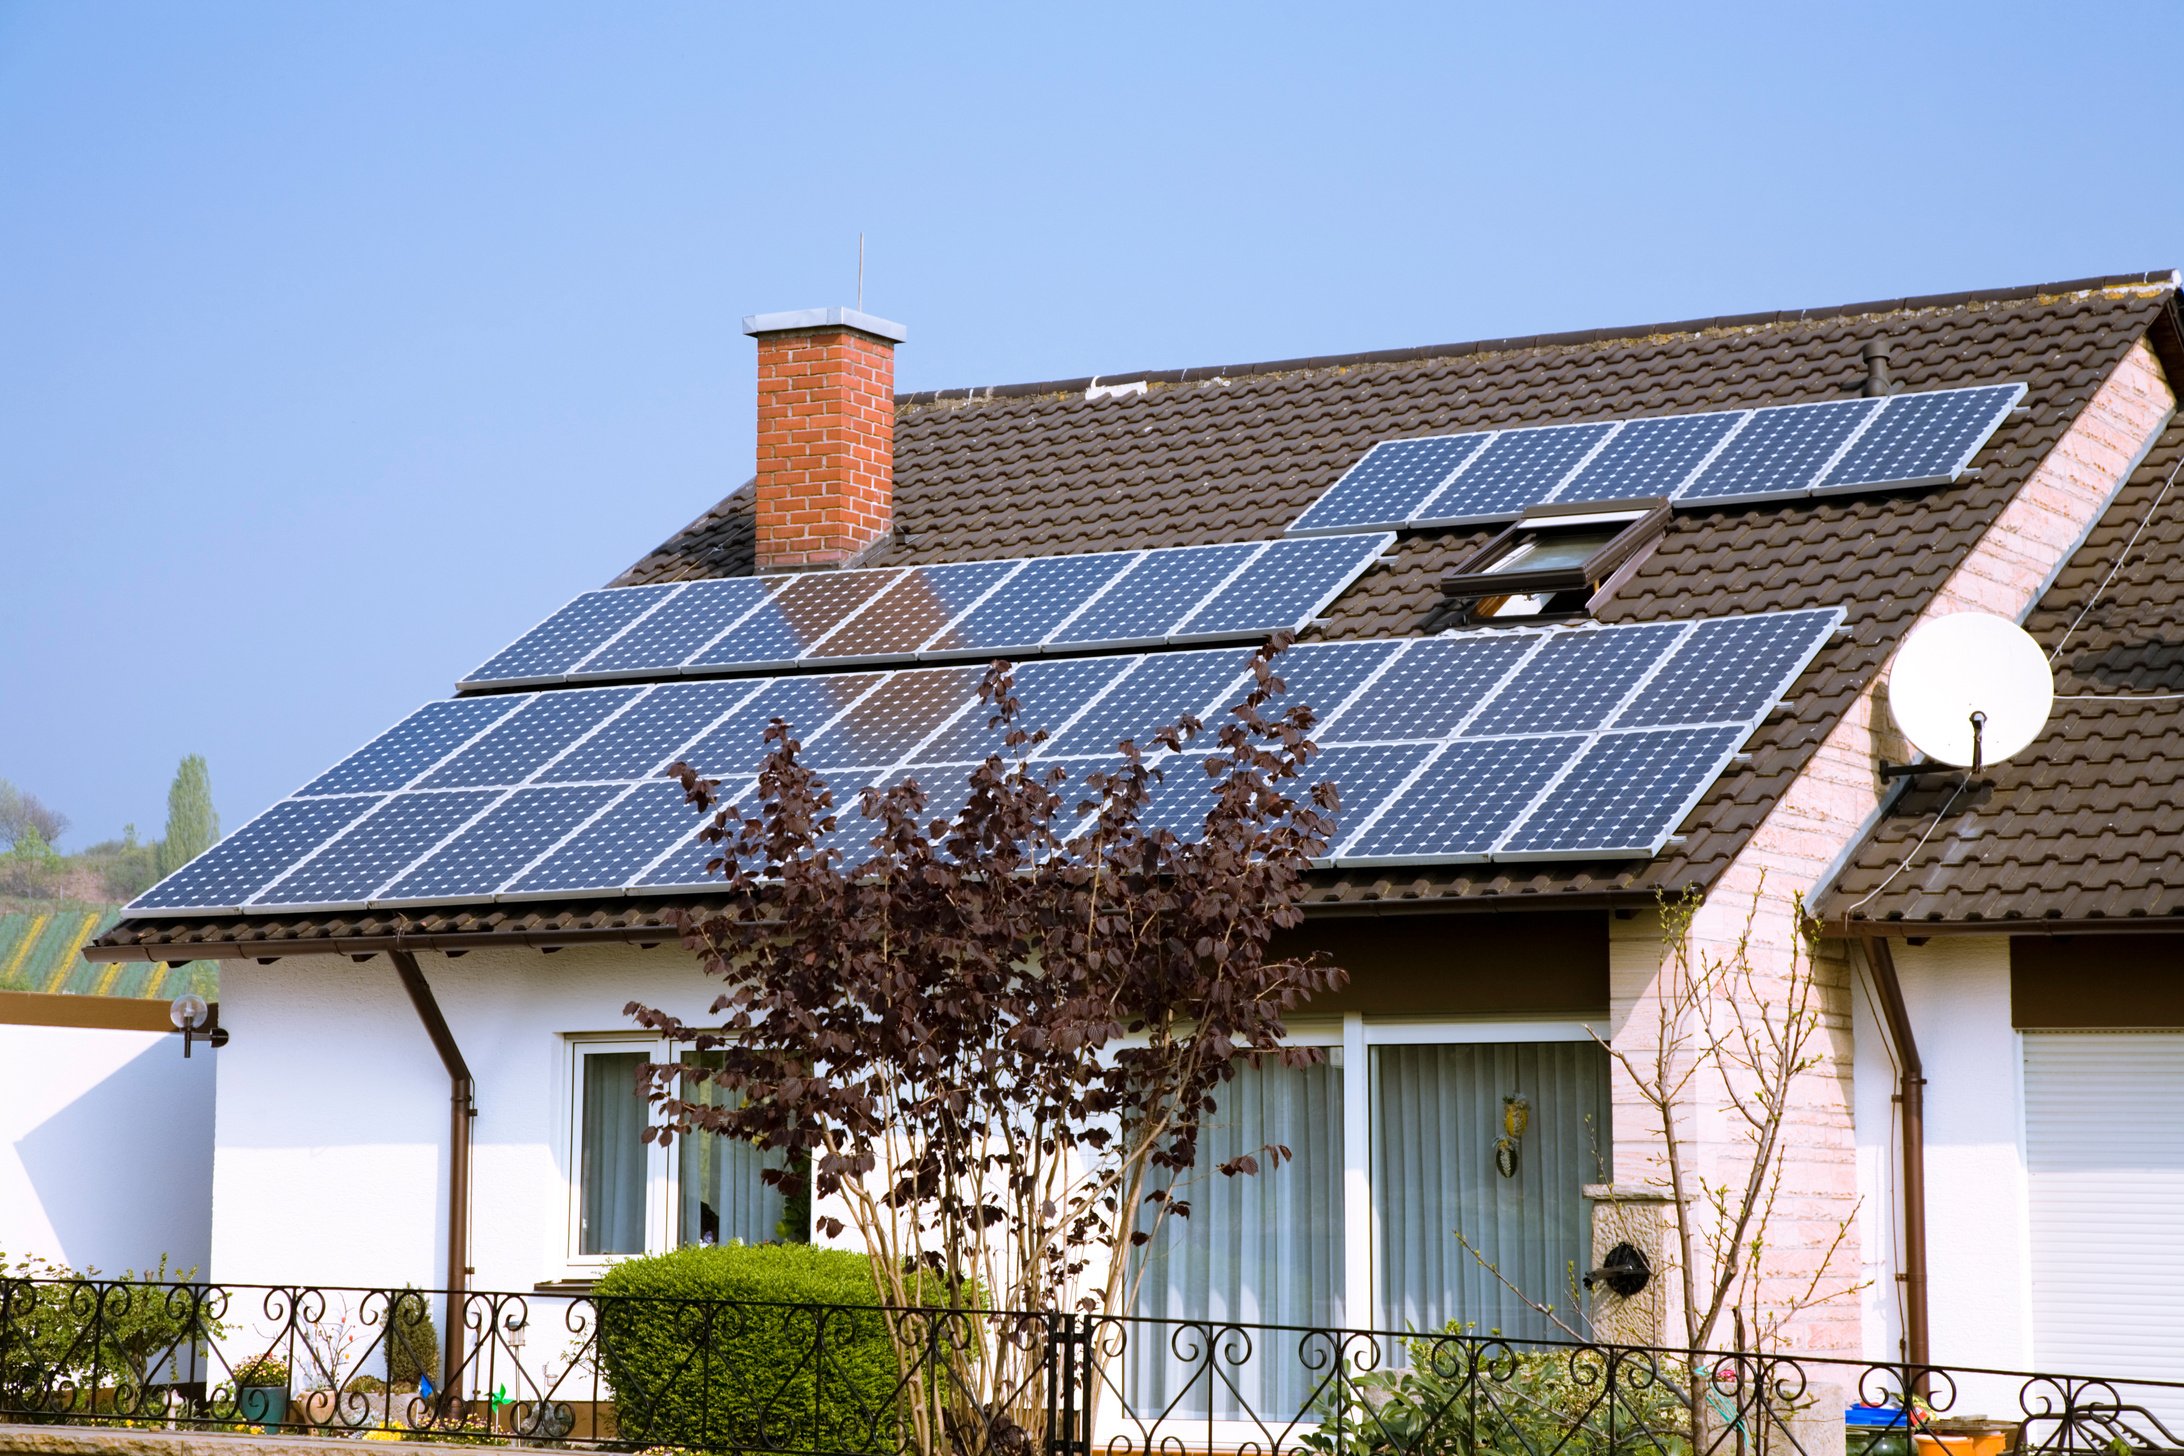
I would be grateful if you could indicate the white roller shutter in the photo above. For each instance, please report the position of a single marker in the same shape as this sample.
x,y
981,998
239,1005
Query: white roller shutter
x,y
2104,1150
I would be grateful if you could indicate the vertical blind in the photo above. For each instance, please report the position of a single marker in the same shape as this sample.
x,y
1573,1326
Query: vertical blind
x,y
611,1154
1437,1113
1263,1248
723,1194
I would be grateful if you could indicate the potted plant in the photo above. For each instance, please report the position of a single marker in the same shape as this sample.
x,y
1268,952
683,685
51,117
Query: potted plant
x,y
261,1391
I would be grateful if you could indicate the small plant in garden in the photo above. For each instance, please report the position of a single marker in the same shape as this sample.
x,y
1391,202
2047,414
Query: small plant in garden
x,y
261,1371
63,1327
996,1037
413,1341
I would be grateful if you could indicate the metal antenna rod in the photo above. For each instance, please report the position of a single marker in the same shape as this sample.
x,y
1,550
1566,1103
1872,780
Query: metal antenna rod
x,y
860,272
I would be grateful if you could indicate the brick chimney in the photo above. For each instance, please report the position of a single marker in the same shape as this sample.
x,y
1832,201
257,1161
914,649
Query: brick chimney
x,y
826,434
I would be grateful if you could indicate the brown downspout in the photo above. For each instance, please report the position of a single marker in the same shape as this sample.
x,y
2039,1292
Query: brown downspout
x,y
1911,1111
462,1114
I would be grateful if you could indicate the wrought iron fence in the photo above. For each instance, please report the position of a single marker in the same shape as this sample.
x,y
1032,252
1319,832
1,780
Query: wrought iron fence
x,y
860,1380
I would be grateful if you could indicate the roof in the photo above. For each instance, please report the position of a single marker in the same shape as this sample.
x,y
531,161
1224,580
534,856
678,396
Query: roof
x,y
2087,825
41,950
1042,468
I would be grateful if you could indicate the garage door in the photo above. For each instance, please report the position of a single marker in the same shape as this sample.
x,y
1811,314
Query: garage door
x,y
2104,1148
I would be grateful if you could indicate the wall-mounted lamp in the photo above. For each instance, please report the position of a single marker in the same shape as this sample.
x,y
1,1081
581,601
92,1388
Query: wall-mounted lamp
x,y
194,1019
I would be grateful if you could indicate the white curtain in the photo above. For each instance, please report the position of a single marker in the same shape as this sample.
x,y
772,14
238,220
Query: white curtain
x,y
1437,1114
1263,1248
723,1198
611,1149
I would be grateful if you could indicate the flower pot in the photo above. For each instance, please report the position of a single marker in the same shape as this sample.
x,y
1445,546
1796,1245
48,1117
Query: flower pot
x,y
262,1405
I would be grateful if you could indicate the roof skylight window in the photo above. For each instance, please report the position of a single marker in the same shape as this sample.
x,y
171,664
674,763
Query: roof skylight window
x,y
1554,560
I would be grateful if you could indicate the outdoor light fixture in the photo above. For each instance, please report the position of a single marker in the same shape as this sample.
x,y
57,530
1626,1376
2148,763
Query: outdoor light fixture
x,y
1624,1272
193,1018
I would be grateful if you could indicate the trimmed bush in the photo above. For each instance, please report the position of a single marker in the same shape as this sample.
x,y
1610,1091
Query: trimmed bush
x,y
769,1346
413,1344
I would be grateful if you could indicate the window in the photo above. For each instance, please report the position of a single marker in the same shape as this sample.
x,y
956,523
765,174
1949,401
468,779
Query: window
x,y
1395,1150
1554,559
633,1197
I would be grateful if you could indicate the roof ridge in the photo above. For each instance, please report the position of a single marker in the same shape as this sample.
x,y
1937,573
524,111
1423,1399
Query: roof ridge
x,y
2166,278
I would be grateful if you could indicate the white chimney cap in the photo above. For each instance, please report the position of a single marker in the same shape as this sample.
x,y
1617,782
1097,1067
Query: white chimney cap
x,y
825,318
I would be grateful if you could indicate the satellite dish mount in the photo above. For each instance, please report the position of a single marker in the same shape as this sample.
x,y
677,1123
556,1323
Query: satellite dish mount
x,y
1928,766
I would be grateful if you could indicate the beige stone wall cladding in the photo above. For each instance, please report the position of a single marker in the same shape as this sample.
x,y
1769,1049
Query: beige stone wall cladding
x,y
1802,837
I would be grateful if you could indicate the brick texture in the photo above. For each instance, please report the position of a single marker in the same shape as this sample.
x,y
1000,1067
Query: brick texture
x,y
826,447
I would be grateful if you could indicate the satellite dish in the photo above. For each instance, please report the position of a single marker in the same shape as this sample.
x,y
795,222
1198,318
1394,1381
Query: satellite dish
x,y
1970,689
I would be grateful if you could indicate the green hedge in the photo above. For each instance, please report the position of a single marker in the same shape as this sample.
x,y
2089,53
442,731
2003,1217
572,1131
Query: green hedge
x,y
722,1347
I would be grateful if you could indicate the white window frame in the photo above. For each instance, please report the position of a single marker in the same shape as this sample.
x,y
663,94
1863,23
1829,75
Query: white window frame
x,y
659,1167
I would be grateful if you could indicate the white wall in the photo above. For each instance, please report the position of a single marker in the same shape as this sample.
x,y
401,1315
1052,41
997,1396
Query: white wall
x,y
105,1148
332,1141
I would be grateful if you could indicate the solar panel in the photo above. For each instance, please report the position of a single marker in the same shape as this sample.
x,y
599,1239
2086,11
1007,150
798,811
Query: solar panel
x,y
1463,803
1576,681
1389,486
1520,468
570,635
1625,794
413,745
799,614
1154,596
1437,685
1780,453
525,741
1650,458
503,841
229,873
681,625
1286,585
1529,742
1160,688
1728,671
914,611
648,737
1923,439
1027,607
351,865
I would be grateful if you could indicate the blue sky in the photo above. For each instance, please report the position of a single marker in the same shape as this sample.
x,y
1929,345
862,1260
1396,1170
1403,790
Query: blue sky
x,y
340,342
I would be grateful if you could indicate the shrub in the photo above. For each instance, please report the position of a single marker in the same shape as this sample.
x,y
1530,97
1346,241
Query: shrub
x,y
768,1347
83,1327
413,1341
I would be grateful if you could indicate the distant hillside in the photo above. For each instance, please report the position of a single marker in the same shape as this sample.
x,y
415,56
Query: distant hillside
x,y
41,949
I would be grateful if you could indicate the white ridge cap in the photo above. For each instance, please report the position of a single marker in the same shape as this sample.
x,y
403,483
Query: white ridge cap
x,y
825,318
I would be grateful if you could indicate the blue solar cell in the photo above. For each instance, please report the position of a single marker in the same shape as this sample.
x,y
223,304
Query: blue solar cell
x,y
797,615
1182,795
1521,468
733,747
226,875
1286,585
1576,681
509,836
646,739
1626,794
1649,458
1438,683
1322,675
945,791
558,644
1924,439
1158,593
413,745
690,861
520,744
906,708
1464,802
1364,778
1780,452
1161,688
697,614
1031,604
1048,692
617,845
1730,670
1390,485
376,847
912,612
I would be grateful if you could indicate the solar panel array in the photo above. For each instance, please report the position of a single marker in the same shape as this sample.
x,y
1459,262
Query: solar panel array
x,y
1783,452
965,609
1568,742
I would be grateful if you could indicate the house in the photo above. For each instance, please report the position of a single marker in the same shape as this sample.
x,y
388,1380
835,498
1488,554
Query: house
x,y
1995,1114
105,1127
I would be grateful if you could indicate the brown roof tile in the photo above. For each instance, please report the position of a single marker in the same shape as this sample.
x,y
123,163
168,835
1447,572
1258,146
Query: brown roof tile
x,y
1236,453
